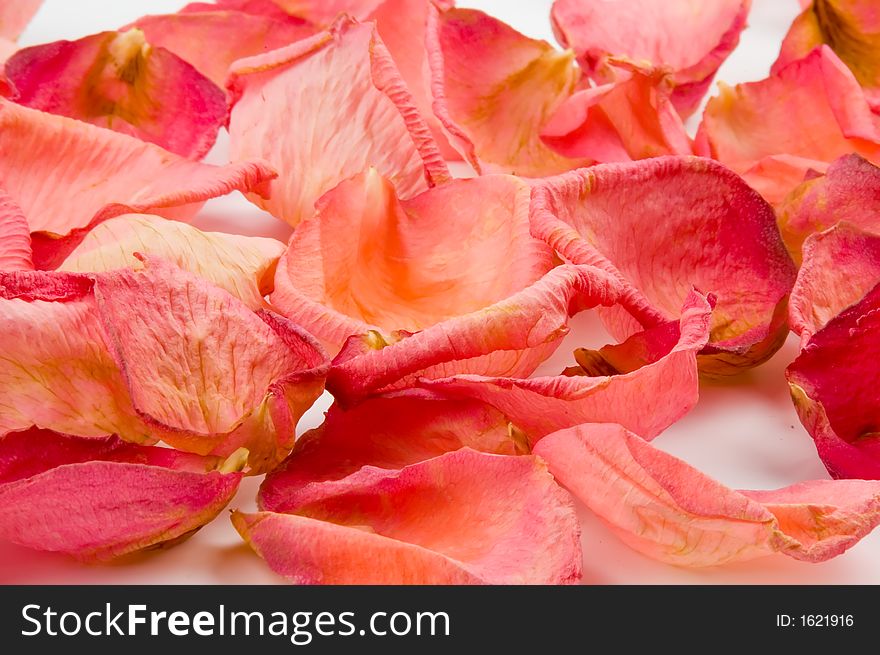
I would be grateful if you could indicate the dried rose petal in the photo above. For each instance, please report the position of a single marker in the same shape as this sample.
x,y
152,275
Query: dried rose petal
x,y
751,126
243,266
387,432
119,81
849,191
850,27
670,511
153,354
699,225
495,89
835,386
689,38
323,81
632,118
212,37
105,174
15,15
15,237
494,519
97,499
840,266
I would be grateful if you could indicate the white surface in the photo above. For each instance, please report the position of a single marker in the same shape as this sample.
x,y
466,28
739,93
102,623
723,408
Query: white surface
x,y
744,432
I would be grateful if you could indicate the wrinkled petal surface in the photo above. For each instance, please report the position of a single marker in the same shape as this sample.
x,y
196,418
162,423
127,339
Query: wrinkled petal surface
x,y
120,81
835,386
494,90
97,499
690,38
15,237
699,225
243,266
493,520
352,110
104,175
812,109
670,511
613,384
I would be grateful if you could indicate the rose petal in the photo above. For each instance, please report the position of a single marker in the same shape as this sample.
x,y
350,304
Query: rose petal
x,y
690,38
153,354
493,519
648,398
848,191
387,432
816,96
494,90
324,81
840,266
589,216
97,499
104,175
212,37
15,15
672,512
243,266
119,81
836,389
632,118
850,27
15,237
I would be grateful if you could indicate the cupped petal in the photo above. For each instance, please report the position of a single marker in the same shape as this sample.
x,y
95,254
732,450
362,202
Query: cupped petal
x,y
840,266
611,385
243,266
632,118
386,432
15,15
212,37
848,191
689,38
850,27
836,389
15,237
494,90
495,519
407,265
105,174
97,499
120,81
324,81
154,354
672,512
813,109
589,216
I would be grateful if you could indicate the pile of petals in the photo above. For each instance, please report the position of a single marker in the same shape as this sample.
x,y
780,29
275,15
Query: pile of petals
x,y
149,366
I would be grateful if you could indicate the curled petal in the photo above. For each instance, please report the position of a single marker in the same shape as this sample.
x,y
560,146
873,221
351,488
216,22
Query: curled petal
x,y
243,266
15,15
840,266
689,38
15,237
850,27
630,119
494,520
105,175
324,81
97,499
836,389
590,215
848,191
387,432
672,512
154,354
495,89
212,37
613,384
746,125
119,81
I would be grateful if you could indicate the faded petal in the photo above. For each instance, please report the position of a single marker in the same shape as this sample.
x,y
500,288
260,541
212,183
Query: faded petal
x,y
494,520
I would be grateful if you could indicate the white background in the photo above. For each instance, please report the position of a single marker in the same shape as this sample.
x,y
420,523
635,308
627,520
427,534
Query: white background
x,y
744,432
